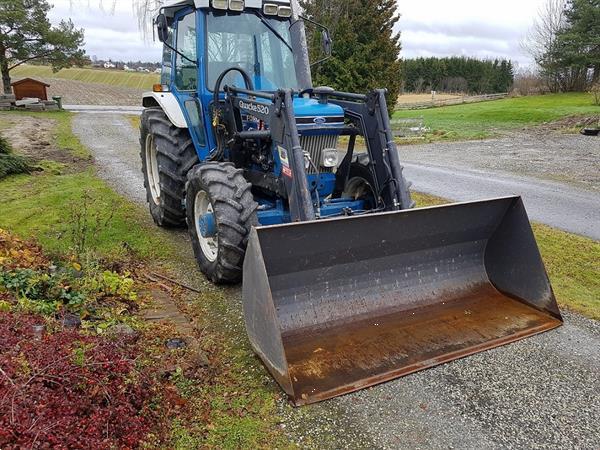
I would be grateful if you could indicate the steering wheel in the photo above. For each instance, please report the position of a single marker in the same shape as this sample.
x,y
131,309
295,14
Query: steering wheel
x,y
245,76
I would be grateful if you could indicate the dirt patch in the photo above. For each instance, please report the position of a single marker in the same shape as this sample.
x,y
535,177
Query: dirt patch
x,y
34,138
573,122
81,93
421,98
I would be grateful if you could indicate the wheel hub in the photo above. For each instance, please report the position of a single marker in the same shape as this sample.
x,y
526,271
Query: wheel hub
x,y
206,226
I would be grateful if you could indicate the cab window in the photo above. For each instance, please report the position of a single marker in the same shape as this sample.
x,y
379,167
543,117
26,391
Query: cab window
x,y
259,46
167,61
186,72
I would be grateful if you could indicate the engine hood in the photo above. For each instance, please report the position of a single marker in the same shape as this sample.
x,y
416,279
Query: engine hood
x,y
309,111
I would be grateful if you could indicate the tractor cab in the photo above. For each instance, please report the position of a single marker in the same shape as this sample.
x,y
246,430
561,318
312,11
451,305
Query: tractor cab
x,y
251,44
202,40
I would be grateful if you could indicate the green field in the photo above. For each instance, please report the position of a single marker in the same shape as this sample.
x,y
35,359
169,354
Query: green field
x,y
482,120
121,78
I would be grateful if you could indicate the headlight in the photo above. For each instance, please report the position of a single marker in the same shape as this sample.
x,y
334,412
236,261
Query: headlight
x,y
220,4
284,11
329,157
236,5
270,10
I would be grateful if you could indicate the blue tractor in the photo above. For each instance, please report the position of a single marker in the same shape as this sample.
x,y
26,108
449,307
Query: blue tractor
x,y
344,284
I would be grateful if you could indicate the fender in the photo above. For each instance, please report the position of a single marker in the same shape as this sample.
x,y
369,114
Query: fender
x,y
168,103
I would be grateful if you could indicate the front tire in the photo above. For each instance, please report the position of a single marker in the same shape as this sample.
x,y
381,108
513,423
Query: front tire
x,y
221,190
167,154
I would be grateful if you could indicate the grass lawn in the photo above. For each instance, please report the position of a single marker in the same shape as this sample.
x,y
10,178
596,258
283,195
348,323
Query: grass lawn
x,y
137,80
45,205
482,120
235,408
572,263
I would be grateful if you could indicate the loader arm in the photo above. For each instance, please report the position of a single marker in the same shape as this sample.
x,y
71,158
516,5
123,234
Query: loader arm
x,y
370,117
370,113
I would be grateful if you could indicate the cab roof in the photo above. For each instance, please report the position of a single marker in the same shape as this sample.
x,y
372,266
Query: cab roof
x,y
171,7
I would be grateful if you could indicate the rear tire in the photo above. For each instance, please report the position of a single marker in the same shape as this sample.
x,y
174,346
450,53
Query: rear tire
x,y
167,154
361,182
221,189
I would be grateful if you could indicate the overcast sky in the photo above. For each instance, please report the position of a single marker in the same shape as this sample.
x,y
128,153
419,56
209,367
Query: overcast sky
x,y
482,28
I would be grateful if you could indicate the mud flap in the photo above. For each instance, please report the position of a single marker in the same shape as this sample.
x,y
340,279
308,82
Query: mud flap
x,y
333,306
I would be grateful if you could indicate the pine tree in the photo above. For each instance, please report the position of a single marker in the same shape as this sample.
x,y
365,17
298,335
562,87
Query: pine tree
x,y
457,74
366,48
27,35
578,44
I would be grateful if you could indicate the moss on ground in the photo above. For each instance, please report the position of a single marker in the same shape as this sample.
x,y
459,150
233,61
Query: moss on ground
x,y
135,121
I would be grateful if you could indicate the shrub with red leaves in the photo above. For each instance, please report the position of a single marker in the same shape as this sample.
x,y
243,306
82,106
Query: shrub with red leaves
x,y
67,390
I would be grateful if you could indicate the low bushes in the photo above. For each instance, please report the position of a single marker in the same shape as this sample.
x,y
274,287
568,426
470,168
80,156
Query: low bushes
x,y
70,378
31,283
68,390
9,163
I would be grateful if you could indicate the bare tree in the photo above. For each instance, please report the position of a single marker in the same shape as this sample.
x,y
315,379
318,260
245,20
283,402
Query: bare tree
x,y
540,41
529,82
144,10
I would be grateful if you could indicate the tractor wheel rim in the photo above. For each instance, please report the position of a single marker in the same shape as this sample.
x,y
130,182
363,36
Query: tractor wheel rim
x,y
209,246
152,169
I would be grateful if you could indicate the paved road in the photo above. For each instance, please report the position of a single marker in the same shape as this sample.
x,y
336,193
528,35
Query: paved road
x,y
552,203
542,392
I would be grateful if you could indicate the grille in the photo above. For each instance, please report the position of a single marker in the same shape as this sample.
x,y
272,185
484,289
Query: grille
x,y
314,145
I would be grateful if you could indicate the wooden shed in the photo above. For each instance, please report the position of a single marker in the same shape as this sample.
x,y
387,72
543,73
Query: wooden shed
x,y
28,87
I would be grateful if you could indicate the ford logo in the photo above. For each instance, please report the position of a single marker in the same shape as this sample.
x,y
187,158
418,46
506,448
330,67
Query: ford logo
x,y
319,120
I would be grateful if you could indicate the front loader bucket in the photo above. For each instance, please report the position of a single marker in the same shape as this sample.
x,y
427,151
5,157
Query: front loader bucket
x,y
337,305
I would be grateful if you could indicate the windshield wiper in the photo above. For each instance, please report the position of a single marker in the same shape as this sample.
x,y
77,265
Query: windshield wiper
x,y
270,27
180,54
256,60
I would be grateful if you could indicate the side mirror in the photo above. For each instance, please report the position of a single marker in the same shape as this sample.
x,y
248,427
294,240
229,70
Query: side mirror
x,y
162,28
326,42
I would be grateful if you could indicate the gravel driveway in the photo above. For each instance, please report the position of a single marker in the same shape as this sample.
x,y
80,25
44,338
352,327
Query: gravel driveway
x,y
116,149
570,158
542,392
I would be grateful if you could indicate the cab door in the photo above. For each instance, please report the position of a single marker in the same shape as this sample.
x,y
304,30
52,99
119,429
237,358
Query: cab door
x,y
185,78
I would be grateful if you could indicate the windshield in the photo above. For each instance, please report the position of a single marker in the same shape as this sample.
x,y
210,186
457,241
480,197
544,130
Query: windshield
x,y
243,40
